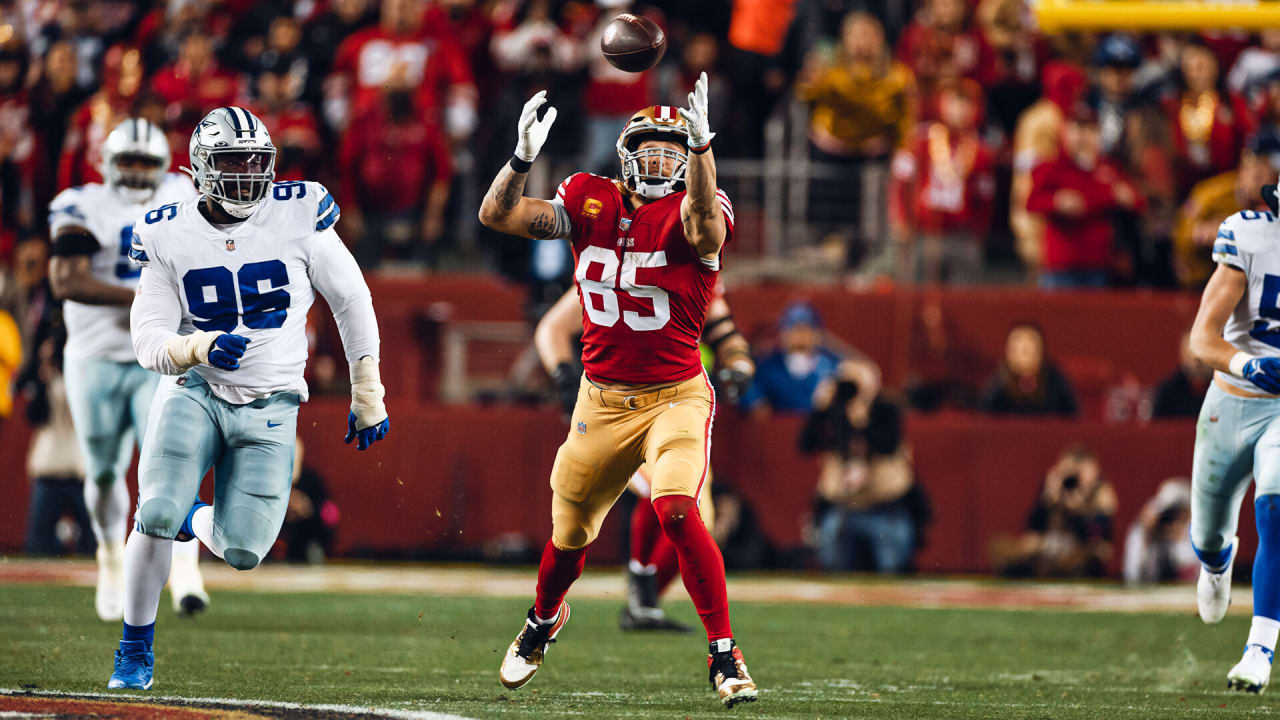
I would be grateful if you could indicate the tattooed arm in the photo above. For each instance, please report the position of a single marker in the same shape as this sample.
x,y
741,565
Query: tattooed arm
x,y
700,211
505,209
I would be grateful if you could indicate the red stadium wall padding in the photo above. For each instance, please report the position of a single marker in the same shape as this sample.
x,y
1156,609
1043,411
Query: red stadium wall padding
x,y
448,480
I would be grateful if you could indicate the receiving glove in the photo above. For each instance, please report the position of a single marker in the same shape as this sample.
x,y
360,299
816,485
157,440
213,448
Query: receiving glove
x,y
1263,372
226,351
695,116
533,132
567,379
733,382
368,421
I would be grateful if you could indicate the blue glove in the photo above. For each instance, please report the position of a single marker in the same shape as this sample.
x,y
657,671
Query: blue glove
x,y
1265,373
226,351
367,436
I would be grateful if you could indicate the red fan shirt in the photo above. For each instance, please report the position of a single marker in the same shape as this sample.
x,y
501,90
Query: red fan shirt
x,y
643,288
373,58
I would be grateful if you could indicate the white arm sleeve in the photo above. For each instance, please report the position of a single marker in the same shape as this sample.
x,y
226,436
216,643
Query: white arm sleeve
x,y
154,320
336,275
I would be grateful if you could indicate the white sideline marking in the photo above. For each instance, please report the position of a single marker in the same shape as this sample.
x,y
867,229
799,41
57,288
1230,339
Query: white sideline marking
x,y
235,702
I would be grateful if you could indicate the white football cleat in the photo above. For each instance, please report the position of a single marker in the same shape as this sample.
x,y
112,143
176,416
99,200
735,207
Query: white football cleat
x,y
108,599
1253,672
186,585
1213,590
525,655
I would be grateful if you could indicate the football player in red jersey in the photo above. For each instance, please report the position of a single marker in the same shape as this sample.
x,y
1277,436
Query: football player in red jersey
x,y
647,252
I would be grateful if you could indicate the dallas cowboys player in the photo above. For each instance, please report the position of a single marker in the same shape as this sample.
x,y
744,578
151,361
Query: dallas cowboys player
x,y
109,393
222,304
1238,433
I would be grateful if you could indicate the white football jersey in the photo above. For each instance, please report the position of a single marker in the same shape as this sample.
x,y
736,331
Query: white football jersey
x,y
255,278
102,331
1250,241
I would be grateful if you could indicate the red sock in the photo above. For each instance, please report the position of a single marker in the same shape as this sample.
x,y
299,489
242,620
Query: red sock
x,y
701,564
646,532
667,562
557,572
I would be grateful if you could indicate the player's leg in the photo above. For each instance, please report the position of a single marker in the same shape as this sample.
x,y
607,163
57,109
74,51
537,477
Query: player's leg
x,y
99,414
590,473
181,443
652,561
186,586
678,446
252,480
1253,672
1223,463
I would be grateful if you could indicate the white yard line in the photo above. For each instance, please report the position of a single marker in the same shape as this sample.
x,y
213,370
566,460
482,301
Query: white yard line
x,y
197,702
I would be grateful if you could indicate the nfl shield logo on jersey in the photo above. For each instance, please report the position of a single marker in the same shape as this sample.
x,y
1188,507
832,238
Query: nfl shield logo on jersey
x,y
231,245
582,428
624,224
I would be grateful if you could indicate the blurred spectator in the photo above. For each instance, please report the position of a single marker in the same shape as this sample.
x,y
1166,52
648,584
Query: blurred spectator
x,y
1069,529
536,41
943,190
1009,28
53,100
122,78
1036,141
1255,65
324,34
18,153
941,44
786,380
863,108
402,50
758,70
1115,60
53,459
1027,382
1147,158
396,168
471,25
1156,547
700,53
610,95
942,366
737,531
311,517
1182,393
1077,194
1209,122
867,516
195,83
1213,200
292,125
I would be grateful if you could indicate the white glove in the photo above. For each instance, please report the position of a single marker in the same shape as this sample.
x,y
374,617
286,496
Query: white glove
x,y
533,132
695,117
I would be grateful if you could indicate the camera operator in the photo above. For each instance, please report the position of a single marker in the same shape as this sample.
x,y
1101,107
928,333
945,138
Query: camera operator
x,y
1069,530
869,511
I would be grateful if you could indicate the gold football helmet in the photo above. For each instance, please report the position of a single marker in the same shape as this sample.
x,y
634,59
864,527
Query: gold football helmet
x,y
661,122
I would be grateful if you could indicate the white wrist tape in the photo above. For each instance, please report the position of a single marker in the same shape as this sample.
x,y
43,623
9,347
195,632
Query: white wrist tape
x,y
366,393
1237,363
188,351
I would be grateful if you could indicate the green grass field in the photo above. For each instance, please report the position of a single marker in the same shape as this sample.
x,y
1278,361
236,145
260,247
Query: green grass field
x,y
407,652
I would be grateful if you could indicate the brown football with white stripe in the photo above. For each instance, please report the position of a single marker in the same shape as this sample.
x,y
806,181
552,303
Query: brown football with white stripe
x,y
632,43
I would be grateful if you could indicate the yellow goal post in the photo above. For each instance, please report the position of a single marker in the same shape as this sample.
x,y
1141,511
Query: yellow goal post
x,y
1056,16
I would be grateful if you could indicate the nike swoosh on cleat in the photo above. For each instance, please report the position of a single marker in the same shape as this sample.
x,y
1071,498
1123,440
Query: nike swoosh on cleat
x,y
271,424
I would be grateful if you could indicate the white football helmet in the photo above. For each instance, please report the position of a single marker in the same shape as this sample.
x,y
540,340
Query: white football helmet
x,y
233,160
654,122
142,146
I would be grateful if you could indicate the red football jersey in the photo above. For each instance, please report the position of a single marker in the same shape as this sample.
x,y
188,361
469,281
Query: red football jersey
x,y
643,288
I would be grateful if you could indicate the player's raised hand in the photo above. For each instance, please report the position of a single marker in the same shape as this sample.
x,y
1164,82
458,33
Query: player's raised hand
x,y
695,116
226,351
1265,373
533,132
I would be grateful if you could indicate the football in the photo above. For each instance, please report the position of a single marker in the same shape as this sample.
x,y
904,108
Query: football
x,y
632,43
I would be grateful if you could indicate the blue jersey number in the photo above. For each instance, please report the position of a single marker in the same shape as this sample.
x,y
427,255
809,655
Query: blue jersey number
x,y
164,212
125,268
1268,307
285,190
211,296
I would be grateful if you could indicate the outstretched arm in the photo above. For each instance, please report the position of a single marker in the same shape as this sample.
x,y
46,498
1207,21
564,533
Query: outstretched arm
x,y
504,207
704,225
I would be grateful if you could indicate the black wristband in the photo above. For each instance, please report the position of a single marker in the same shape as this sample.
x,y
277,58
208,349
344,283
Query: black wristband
x,y
520,166
700,150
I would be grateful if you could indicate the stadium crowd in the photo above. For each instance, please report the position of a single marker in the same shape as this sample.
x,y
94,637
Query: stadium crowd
x,y
951,127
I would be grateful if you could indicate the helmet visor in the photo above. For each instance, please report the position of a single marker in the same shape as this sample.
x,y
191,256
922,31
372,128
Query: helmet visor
x,y
137,171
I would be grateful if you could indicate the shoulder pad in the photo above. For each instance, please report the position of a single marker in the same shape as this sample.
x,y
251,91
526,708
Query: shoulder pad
x,y
137,251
